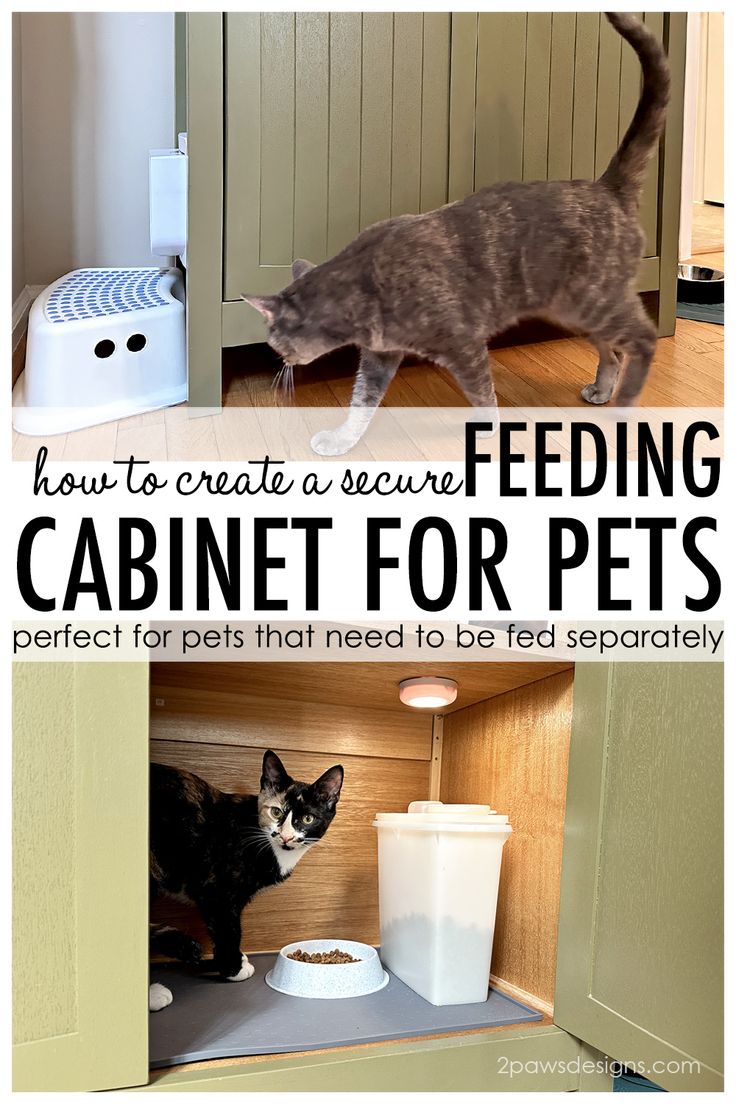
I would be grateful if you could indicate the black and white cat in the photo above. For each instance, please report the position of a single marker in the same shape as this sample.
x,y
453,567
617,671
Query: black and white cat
x,y
217,850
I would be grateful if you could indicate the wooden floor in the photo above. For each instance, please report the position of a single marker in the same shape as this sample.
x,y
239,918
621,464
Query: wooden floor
x,y
687,372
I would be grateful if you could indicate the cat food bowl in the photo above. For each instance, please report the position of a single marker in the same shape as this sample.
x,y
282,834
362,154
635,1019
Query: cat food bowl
x,y
327,980
698,284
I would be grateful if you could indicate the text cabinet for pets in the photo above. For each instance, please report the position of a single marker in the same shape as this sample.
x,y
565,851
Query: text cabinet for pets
x,y
303,128
610,773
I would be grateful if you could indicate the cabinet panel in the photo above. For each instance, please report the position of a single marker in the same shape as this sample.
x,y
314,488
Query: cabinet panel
x,y
80,931
534,1059
333,121
554,94
640,944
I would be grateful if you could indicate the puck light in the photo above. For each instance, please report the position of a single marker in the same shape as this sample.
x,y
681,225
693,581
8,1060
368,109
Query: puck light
x,y
427,693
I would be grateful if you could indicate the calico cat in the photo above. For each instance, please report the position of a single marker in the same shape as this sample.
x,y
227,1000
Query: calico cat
x,y
441,284
217,850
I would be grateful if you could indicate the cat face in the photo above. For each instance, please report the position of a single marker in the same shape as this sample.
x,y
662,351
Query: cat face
x,y
296,814
294,330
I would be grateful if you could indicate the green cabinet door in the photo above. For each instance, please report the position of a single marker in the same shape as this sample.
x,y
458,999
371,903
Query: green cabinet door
x,y
80,876
333,121
547,96
640,957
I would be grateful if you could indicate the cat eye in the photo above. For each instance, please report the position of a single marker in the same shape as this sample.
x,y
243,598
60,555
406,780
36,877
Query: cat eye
x,y
275,811
307,819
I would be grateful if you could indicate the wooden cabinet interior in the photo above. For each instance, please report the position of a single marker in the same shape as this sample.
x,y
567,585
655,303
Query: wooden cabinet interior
x,y
511,750
505,742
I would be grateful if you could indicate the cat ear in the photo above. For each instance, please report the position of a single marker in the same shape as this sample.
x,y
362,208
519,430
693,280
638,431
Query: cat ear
x,y
274,775
268,305
329,784
300,267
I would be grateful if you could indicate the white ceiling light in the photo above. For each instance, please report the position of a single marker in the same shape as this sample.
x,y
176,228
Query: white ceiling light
x,y
428,693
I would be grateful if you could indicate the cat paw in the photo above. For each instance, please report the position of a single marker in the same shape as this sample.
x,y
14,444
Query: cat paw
x,y
485,434
591,394
158,997
245,971
486,414
331,442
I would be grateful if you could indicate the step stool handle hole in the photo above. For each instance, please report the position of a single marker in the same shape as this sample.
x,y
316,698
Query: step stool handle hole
x,y
136,342
104,349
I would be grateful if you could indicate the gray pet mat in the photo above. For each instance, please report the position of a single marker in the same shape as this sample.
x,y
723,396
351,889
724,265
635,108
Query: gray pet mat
x,y
219,1019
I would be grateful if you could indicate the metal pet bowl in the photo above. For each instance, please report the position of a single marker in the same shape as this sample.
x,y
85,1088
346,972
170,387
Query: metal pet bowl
x,y
697,284
328,981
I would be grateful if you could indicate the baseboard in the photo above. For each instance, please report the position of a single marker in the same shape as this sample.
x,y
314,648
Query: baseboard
x,y
21,308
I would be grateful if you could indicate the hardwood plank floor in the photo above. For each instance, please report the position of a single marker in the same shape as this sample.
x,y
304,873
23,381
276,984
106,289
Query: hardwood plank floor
x,y
687,371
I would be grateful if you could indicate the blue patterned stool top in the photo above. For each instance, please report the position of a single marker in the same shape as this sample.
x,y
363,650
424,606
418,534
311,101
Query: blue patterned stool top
x,y
99,293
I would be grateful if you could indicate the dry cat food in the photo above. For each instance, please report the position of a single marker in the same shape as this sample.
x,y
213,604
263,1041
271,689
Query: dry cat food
x,y
324,958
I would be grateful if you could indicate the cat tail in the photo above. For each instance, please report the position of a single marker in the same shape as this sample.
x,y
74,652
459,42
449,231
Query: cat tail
x,y
174,944
625,173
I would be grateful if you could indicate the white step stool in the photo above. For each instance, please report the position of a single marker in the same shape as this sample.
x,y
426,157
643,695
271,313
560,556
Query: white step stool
x,y
103,343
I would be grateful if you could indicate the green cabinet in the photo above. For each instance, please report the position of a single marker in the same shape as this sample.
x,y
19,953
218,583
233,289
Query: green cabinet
x,y
334,121
639,961
305,127
80,875
640,953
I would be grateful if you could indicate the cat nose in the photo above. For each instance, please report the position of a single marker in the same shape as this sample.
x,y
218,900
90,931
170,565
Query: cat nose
x,y
287,838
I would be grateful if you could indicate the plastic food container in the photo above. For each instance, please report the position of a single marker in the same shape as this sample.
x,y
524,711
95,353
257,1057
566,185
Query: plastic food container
x,y
313,979
438,873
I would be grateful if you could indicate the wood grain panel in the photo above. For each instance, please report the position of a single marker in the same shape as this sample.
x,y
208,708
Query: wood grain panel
x,y
374,685
629,87
334,890
463,73
650,203
406,122
242,153
607,95
536,95
435,110
640,960
500,97
343,220
277,137
45,839
376,92
80,882
512,752
311,136
561,89
206,717
584,105
659,878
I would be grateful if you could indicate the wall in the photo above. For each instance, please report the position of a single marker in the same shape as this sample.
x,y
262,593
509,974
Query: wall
x,y
19,268
511,752
203,719
97,93
709,141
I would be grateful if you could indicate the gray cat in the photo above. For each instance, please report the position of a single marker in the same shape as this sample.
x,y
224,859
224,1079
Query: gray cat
x,y
441,284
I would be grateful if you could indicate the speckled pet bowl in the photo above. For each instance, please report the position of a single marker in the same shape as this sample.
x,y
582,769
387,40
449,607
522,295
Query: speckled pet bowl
x,y
313,979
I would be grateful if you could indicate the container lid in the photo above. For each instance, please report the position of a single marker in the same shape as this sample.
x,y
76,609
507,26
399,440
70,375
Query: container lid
x,y
441,807
435,815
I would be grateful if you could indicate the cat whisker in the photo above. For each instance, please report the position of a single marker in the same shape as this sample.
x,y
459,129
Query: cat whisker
x,y
283,382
